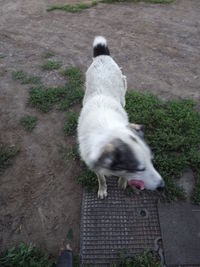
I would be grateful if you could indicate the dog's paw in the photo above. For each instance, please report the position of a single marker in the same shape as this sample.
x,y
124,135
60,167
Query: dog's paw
x,y
122,183
102,193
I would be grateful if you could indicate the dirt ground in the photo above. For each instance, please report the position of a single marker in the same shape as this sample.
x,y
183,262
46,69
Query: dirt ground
x,y
158,47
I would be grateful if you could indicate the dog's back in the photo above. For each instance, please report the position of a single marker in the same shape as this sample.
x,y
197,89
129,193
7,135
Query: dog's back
x,y
103,103
104,77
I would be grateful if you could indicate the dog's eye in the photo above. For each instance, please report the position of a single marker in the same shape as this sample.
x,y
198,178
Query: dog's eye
x,y
140,170
134,139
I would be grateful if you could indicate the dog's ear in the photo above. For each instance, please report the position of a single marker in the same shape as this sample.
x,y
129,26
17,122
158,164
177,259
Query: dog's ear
x,y
139,129
118,156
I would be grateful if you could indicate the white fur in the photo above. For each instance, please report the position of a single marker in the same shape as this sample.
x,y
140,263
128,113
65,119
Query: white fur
x,y
103,111
99,40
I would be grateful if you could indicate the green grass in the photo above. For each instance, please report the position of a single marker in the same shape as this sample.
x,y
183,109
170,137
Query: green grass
x,y
172,129
51,65
72,8
70,234
74,75
82,6
87,178
43,98
196,193
71,123
6,156
73,153
29,122
25,256
24,78
49,54
159,1
145,260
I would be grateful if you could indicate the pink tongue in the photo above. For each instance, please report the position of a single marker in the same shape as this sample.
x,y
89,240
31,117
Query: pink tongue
x,y
137,183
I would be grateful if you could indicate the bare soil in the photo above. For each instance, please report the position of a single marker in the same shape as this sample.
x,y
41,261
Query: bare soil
x,y
158,47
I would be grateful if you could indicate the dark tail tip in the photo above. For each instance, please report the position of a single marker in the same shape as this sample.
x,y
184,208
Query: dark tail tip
x,y
100,47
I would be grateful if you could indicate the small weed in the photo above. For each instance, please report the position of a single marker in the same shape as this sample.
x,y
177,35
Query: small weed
x,y
145,260
24,78
51,65
29,122
6,156
70,234
25,255
69,154
87,178
72,8
73,153
71,123
76,261
196,193
49,54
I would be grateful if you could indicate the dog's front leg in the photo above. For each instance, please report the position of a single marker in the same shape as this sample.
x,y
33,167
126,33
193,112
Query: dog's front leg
x,y
122,182
102,192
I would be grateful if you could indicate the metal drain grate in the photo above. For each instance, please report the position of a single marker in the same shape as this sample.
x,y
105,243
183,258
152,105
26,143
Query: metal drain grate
x,y
121,222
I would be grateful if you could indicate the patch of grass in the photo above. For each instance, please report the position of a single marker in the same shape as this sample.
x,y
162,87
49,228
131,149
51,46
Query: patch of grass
x,y
74,92
49,54
74,75
71,123
82,6
6,156
72,8
44,98
172,129
73,153
145,260
76,261
159,1
51,65
25,255
87,178
196,193
29,122
24,78
73,95
70,235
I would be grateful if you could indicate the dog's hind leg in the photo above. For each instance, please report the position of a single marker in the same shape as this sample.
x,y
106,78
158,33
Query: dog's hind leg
x,y
122,182
102,192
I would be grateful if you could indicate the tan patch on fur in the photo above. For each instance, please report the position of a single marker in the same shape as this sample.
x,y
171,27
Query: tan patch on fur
x,y
109,148
135,126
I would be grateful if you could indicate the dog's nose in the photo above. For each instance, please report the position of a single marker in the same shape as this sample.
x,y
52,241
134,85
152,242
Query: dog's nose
x,y
161,185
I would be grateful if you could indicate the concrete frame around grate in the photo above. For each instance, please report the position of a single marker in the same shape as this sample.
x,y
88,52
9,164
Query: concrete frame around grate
x,y
121,222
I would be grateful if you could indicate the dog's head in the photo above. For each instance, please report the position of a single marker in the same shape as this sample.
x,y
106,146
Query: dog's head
x,y
127,155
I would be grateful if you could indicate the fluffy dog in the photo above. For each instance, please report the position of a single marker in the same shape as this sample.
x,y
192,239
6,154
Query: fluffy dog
x,y
108,143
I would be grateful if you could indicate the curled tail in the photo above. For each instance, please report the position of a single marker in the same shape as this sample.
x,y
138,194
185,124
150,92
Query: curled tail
x,y
100,47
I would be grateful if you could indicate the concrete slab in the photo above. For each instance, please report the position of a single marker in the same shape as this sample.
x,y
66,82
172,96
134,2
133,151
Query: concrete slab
x,y
180,229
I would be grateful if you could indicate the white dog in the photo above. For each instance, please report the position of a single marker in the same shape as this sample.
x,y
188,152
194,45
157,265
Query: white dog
x,y
108,143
